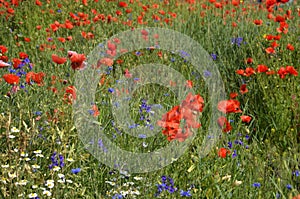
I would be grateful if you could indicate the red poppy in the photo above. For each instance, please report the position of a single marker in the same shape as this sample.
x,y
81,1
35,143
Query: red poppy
x,y
246,118
123,4
270,50
249,60
77,60
189,83
243,89
95,110
249,71
16,62
58,60
38,3
26,39
127,74
291,70
274,44
3,49
258,22
279,18
70,94
240,72
36,77
269,37
105,61
233,95
11,78
282,72
187,112
229,106
261,68
23,55
224,124
290,47
223,152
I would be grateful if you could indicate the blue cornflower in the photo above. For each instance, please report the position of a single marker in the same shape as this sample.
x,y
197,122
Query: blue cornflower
x,y
75,171
289,187
296,173
111,90
53,160
214,56
229,145
234,154
61,160
142,136
101,145
185,193
26,60
256,184
207,73
239,142
38,113
117,196
172,59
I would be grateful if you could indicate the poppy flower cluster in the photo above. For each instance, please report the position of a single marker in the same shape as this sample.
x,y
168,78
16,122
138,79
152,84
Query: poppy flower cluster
x,y
282,71
177,123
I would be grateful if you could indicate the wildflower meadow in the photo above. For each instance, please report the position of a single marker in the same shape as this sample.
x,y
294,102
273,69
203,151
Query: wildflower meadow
x,y
149,99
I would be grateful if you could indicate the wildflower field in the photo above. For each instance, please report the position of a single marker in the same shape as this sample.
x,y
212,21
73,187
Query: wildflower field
x,y
119,99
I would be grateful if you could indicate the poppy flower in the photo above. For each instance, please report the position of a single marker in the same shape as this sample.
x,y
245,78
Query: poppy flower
x,y
222,153
3,49
249,71
262,68
95,111
38,3
16,62
11,78
246,118
3,64
290,47
258,22
249,60
77,60
127,74
36,77
240,72
58,60
105,61
270,50
23,55
70,94
189,84
243,89
291,70
282,72
229,106
233,95
123,4
224,124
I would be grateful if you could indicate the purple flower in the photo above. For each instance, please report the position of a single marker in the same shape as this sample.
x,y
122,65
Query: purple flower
x,y
234,154
185,193
75,171
213,56
207,73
